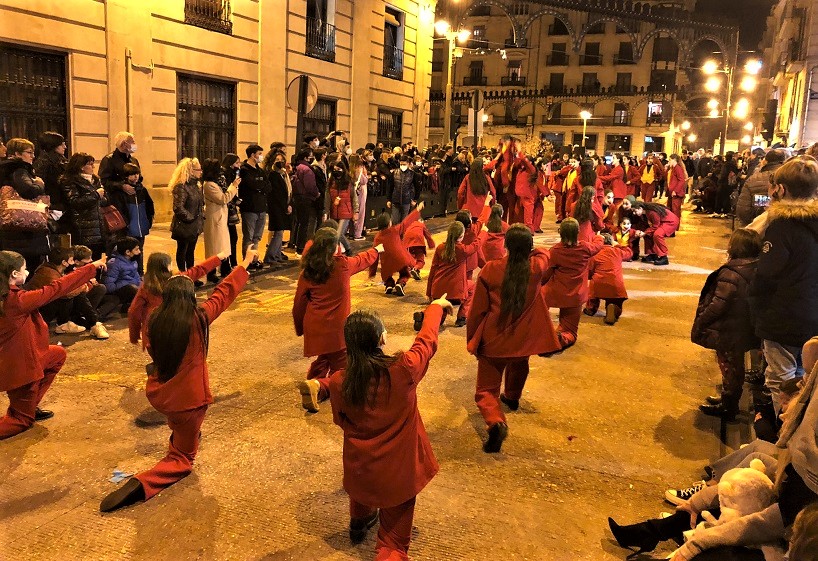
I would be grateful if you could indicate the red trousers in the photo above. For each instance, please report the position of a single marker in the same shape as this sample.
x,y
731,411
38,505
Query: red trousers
x,y
327,363
185,434
593,305
394,531
647,192
539,210
509,202
656,243
23,401
569,325
675,205
526,212
559,205
731,364
419,253
489,379
465,302
403,278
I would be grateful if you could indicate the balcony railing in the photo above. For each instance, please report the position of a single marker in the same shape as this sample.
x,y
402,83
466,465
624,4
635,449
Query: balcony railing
x,y
475,81
393,62
512,81
320,39
601,121
477,44
619,59
557,59
590,60
510,44
209,14
507,120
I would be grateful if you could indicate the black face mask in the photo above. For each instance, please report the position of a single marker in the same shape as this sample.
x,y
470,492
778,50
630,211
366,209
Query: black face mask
x,y
337,173
278,165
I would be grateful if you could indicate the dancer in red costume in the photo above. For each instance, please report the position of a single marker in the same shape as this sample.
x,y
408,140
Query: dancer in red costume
x,y
607,282
662,224
395,257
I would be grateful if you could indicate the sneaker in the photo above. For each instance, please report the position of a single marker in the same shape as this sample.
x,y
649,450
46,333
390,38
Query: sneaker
x,y
399,290
512,404
418,319
389,289
662,261
99,332
359,239
283,257
679,496
415,274
42,414
497,434
309,395
650,258
610,314
713,399
358,527
69,328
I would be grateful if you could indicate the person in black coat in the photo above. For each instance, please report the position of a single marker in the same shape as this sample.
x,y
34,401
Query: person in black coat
x,y
49,166
278,209
231,164
111,168
728,180
253,194
84,195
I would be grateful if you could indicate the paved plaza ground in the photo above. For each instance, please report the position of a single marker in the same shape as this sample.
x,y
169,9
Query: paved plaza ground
x,y
603,429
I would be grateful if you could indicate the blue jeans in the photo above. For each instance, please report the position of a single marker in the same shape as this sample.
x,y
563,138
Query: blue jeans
x,y
252,229
399,212
343,226
274,247
783,365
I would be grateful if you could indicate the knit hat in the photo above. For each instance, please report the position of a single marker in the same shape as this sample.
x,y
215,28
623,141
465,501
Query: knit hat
x,y
631,199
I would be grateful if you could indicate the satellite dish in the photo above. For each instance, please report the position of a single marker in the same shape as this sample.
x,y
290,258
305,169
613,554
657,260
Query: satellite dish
x,y
292,93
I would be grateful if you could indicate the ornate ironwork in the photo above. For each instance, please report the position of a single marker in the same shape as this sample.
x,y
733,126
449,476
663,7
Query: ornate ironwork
x,y
209,14
393,62
206,118
390,127
320,39
322,119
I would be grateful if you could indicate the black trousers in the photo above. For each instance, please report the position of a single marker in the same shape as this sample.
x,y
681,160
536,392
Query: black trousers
x,y
305,214
185,252
105,304
723,199
234,239
77,309
126,294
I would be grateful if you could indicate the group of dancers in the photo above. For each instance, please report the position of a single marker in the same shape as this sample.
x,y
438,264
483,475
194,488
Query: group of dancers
x,y
387,456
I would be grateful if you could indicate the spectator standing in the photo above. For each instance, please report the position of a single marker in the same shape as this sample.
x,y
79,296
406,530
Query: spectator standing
x,y
279,209
676,186
320,169
728,180
188,210
747,209
360,180
231,164
216,235
111,168
253,194
341,199
83,195
401,196
137,209
305,193
49,166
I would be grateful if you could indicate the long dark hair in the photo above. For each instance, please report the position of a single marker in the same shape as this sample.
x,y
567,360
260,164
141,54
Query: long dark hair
x,y
76,162
170,324
319,262
456,230
495,221
660,209
366,362
157,273
10,261
587,173
519,242
478,183
582,212
211,168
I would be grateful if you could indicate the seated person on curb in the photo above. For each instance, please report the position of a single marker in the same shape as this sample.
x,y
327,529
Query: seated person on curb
x,y
74,306
122,277
103,303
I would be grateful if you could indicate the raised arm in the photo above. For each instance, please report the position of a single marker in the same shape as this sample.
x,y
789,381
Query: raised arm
x,y
416,359
30,300
362,261
411,217
225,293
201,269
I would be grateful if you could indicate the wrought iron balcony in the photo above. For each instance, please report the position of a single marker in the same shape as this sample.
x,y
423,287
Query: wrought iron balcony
x,y
477,44
393,62
601,121
510,44
590,60
512,81
619,59
557,59
320,39
209,14
475,81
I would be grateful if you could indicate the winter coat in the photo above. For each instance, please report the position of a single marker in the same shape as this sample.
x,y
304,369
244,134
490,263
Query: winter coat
x,y
121,272
278,199
402,190
49,167
468,200
723,317
20,175
417,235
253,189
137,209
785,290
567,275
395,256
616,179
216,234
605,272
188,210
304,183
347,208
677,182
450,277
110,170
756,184
82,204
225,179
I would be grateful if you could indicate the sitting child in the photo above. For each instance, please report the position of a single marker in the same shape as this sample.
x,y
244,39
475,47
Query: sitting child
x,y
122,277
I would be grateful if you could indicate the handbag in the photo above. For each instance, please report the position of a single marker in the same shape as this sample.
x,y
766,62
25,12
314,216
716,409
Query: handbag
x,y
112,219
23,215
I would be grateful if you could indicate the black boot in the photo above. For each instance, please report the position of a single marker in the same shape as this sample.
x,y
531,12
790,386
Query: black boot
x,y
647,535
358,527
497,434
512,404
131,492
727,408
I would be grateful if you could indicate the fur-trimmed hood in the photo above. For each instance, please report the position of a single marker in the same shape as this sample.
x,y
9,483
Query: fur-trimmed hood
x,y
794,210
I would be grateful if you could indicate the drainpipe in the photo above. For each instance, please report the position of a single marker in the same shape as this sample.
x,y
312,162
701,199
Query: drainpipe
x,y
129,67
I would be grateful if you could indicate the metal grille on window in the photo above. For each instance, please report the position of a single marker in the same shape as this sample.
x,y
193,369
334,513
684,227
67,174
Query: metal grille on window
x,y
33,96
321,120
209,14
390,128
206,118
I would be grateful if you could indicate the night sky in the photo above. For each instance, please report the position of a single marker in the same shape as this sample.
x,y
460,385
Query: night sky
x,y
750,14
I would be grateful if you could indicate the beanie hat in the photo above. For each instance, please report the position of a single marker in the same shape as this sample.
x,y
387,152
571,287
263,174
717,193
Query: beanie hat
x,y
631,199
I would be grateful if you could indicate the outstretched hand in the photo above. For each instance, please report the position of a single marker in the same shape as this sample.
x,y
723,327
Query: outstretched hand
x,y
250,256
445,304
420,206
101,263
379,248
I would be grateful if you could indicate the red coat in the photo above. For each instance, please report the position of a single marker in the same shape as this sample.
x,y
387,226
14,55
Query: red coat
x,y
524,187
24,334
190,387
344,209
605,271
677,181
559,179
492,246
468,200
530,334
655,220
387,455
616,181
450,278
634,176
418,235
543,190
144,303
573,192
320,310
567,274
395,256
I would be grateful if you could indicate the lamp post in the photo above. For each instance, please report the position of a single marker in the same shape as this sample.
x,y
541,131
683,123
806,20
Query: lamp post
x,y
584,115
443,28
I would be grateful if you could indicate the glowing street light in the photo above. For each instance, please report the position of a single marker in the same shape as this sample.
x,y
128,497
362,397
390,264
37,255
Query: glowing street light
x,y
714,113
746,139
748,84
692,138
485,117
685,126
713,104
710,67
742,108
442,26
444,29
753,66
463,35
749,127
712,84
584,115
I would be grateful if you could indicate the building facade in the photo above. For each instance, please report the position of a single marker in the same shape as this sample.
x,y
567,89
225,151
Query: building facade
x,y
208,77
791,47
540,63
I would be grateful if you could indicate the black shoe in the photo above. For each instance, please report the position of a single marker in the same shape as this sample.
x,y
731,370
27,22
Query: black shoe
x,y
283,257
589,312
131,492
212,279
640,535
418,317
399,290
721,410
497,434
650,258
42,414
358,527
460,322
713,399
673,235
512,404
538,231
415,274
198,284
661,261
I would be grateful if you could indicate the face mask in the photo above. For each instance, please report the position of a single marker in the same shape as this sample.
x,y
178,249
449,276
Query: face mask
x,y
132,148
349,151
337,173
259,158
278,165
404,168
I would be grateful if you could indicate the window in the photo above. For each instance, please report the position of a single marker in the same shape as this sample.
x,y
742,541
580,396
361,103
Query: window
x,y
514,77
393,43
437,66
475,77
625,54
617,143
206,118
390,128
662,80
556,82
320,31
478,38
590,83
654,144
657,114
557,28
665,49
590,140
623,81
209,14
554,116
591,55
557,139
481,11
620,114
597,29
519,9
33,94
558,56
321,120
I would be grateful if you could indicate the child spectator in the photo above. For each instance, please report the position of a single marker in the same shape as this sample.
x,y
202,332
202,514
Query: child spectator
x,y
605,272
723,322
395,257
136,209
103,303
122,277
416,238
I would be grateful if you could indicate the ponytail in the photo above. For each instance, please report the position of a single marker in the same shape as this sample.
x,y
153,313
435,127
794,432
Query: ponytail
x,y
456,230
519,242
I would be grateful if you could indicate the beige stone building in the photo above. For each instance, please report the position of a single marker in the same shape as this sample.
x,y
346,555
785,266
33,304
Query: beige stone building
x,y
207,77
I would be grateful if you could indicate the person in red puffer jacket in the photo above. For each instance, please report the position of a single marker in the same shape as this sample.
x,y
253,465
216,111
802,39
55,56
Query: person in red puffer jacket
x,y
341,201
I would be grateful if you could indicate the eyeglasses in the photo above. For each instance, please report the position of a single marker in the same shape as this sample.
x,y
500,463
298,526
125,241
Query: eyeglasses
x,y
196,169
28,152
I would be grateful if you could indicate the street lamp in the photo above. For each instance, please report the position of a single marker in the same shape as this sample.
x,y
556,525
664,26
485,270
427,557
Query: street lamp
x,y
584,115
710,67
685,126
443,28
746,139
713,104
713,84
742,108
691,138
753,66
749,127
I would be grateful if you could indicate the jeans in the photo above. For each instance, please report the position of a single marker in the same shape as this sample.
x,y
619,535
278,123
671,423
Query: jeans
x,y
399,212
273,253
343,226
767,452
252,229
185,252
783,365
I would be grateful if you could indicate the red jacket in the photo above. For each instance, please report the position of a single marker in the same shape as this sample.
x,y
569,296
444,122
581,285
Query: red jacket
x,y
677,182
530,334
418,235
524,187
387,455
190,387
343,210
605,272
572,192
658,172
395,256
450,278
492,246
468,200
567,274
502,172
634,177
655,220
24,334
144,303
616,180
320,310
559,179
543,190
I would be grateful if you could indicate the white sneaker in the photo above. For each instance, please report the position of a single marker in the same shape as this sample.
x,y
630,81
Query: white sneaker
x,y
99,331
679,496
69,328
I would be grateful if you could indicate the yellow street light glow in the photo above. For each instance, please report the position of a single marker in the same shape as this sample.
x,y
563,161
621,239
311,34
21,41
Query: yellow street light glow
x,y
713,104
742,108
746,139
692,138
585,115
463,35
753,66
710,67
685,126
442,26
485,117
748,84
714,113
712,84
749,127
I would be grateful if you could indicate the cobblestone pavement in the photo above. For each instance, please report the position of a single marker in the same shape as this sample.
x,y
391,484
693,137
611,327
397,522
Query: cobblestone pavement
x,y
603,430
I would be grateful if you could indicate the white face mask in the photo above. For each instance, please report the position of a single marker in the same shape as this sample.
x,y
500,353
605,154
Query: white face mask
x,y
349,151
259,159
132,148
404,168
